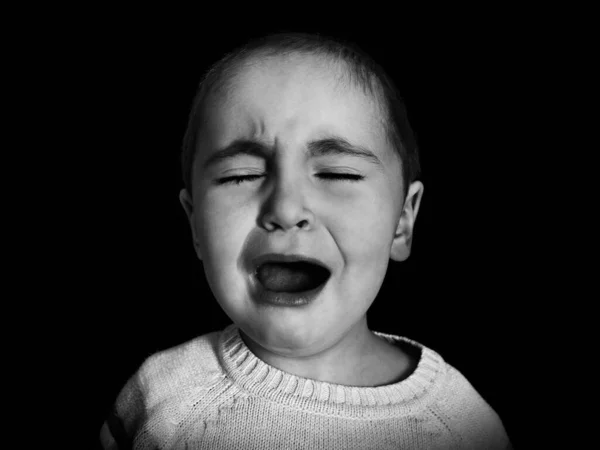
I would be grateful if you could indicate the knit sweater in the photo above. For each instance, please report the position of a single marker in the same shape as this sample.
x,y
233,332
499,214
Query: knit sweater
x,y
213,393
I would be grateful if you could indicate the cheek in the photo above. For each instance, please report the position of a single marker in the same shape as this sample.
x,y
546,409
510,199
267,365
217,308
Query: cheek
x,y
364,236
224,228
364,227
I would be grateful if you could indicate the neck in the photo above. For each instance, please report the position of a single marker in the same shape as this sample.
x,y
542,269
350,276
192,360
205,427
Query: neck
x,y
358,358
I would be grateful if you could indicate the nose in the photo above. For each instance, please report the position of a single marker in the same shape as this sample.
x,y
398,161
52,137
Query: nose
x,y
286,207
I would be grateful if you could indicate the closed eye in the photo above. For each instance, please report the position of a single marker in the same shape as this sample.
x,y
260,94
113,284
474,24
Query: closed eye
x,y
340,176
238,179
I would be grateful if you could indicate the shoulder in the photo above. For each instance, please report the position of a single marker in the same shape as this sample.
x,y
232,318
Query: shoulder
x,y
196,358
191,364
466,414
164,377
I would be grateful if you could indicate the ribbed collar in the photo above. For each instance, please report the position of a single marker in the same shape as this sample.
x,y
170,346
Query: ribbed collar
x,y
261,379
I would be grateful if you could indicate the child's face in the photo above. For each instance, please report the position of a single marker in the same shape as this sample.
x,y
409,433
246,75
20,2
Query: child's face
x,y
290,208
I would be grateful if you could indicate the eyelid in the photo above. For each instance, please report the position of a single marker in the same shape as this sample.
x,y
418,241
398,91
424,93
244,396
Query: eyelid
x,y
330,176
237,179
243,169
340,176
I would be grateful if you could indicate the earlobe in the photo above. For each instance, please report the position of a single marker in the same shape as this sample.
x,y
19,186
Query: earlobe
x,y
188,206
402,243
186,202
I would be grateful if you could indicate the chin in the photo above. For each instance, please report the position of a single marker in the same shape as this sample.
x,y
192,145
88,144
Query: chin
x,y
284,338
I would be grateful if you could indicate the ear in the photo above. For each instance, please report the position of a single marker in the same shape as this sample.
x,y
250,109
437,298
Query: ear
x,y
402,242
188,206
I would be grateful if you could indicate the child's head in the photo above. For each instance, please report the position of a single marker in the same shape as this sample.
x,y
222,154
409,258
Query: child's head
x,y
299,144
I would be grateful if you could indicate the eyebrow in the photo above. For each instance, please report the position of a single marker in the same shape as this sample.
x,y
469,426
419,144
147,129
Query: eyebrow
x,y
331,145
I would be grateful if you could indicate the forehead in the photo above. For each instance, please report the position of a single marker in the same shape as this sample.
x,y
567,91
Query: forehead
x,y
292,98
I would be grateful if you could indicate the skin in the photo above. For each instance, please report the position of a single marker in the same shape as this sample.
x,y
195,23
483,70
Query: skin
x,y
354,227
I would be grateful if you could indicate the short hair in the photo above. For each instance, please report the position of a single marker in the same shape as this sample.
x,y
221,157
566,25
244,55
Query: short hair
x,y
361,70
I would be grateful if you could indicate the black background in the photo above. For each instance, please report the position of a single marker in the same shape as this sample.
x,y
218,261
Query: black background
x,y
467,291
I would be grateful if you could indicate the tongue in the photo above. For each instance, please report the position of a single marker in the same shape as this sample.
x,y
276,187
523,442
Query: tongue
x,y
289,277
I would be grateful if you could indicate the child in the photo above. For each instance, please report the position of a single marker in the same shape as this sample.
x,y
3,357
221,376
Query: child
x,y
300,174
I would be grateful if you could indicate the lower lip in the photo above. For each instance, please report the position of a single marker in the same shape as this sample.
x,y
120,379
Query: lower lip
x,y
263,295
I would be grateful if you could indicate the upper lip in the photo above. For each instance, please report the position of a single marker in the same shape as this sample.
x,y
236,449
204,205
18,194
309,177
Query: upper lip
x,y
279,257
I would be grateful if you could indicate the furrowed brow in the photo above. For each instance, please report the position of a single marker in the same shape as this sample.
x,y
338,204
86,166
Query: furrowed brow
x,y
329,146
338,146
235,149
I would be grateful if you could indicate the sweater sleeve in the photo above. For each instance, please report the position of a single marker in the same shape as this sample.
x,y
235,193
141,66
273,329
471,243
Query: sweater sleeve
x,y
153,401
127,414
469,417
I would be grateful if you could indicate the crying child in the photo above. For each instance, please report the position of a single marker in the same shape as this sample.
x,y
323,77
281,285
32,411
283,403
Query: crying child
x,y
301,182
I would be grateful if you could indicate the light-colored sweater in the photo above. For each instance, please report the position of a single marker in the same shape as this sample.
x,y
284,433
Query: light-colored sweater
x,y
213,393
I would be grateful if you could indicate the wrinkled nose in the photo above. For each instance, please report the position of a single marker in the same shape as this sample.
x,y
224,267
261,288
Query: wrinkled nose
x,y
286,208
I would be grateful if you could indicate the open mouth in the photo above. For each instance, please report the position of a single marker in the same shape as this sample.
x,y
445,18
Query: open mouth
x,y
295,276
